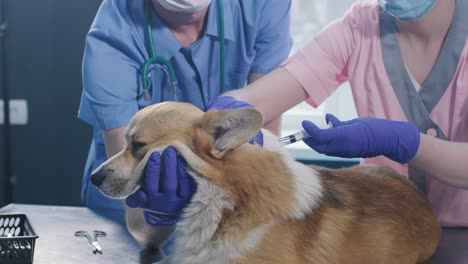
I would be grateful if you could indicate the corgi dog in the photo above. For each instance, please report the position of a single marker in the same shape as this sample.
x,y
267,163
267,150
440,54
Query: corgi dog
x,y
256,204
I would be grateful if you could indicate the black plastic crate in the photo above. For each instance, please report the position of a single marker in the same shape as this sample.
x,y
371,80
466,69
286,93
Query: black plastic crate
x,y
17,239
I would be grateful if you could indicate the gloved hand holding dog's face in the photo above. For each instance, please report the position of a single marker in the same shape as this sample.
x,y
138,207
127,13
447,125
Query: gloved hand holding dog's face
x,y
168,188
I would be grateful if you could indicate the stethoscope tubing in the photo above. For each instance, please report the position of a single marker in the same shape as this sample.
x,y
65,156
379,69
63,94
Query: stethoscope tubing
x,y
155,59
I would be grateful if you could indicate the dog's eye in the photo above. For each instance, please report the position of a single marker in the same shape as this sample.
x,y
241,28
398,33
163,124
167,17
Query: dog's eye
x,y
136,146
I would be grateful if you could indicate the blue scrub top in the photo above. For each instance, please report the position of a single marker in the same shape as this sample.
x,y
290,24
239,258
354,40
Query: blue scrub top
x,y
257,40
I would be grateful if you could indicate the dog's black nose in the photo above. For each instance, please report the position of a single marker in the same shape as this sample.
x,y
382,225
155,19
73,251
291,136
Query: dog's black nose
x,y
97,178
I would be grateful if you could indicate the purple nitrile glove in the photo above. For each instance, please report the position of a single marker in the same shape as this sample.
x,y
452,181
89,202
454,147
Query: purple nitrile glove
x,y
364,138
167,188
228,102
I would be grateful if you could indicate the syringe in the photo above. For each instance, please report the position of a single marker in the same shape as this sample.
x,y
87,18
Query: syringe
x,y
299,136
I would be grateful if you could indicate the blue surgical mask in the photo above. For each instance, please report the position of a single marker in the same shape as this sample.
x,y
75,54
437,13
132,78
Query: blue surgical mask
x,y
407,10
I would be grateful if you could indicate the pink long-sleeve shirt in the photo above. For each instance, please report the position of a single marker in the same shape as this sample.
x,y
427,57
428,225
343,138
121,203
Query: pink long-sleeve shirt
x,y
350,50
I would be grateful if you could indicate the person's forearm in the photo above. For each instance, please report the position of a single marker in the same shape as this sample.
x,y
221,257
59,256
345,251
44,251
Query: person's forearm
x,y
444,160
147,235
274,125
272,94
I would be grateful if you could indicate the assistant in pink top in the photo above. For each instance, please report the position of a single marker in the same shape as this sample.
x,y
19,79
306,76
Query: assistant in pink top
x,y
363,48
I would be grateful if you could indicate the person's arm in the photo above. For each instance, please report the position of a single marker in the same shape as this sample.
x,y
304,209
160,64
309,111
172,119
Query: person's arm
x,y
447,161
149,236
399,141
273,43
274,125
313,73
273,94
113,45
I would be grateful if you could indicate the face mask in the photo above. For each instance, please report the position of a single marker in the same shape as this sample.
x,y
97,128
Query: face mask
x,y
407,10
185,6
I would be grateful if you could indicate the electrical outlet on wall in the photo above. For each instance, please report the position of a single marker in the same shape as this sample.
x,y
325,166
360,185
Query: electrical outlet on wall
x,y
18,112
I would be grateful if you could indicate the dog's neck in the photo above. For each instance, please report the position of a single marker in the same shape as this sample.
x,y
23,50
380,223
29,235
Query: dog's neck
x,y
195,241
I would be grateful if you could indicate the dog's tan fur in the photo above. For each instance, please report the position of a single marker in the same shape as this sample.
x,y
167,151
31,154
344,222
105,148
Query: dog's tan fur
x,y
359,215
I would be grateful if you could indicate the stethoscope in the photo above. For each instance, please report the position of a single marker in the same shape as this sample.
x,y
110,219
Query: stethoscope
x,y
155,59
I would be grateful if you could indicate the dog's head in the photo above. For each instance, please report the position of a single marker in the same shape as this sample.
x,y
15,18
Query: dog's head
x,y
203,139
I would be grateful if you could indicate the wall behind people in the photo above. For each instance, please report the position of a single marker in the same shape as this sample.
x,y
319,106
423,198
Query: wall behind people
x,y
43,47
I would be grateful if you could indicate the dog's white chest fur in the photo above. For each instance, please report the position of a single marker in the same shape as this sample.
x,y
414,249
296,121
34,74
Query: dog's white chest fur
x,y
194,243
194,233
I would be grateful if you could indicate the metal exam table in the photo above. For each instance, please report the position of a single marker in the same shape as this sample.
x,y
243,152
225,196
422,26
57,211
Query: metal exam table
x,y
56,226
57,244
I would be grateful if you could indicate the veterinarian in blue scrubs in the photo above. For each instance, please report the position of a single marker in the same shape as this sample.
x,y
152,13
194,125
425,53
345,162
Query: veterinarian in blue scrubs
x,y
188,35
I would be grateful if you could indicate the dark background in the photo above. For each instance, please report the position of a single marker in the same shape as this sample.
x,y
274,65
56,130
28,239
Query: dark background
x,y
41,54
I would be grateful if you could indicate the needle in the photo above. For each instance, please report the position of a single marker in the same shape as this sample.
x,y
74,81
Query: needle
x,y
299,136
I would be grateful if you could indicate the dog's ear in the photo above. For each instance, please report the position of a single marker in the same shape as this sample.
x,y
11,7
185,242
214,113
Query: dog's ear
x,y
230,128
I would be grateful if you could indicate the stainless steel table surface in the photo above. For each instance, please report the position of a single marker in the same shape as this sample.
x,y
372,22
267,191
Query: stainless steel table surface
x,y
57,244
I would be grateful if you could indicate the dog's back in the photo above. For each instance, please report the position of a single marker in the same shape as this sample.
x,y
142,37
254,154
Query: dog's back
x,y
367,215
381,216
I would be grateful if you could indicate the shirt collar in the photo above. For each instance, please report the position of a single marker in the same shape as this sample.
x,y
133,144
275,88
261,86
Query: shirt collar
x,y
162,33
212,27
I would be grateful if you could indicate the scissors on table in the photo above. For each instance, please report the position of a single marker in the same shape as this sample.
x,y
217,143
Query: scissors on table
x,y
92,239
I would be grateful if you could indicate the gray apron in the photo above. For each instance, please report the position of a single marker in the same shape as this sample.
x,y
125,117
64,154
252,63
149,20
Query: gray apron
x,y
418,105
